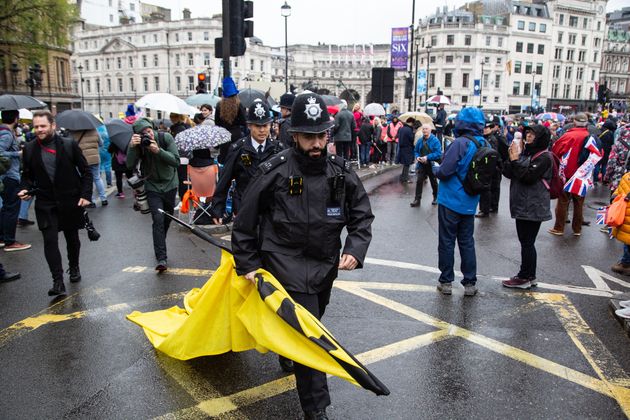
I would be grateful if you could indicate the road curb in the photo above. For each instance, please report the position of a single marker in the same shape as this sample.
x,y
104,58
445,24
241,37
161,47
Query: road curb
x,y
363,174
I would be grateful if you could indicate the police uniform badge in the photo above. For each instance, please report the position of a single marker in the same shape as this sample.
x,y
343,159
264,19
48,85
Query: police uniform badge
x,y
312,109
259,111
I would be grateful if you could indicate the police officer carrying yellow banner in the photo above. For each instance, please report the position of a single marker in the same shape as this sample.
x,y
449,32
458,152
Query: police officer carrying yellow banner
x,y
290,222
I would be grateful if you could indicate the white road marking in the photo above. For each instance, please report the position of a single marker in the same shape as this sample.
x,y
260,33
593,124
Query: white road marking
x,y
598,277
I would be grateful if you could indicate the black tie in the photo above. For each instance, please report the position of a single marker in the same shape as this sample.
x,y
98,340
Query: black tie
x,y
260,149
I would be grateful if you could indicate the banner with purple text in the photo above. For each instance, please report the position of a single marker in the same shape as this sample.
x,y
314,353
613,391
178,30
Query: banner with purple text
x,y
400,48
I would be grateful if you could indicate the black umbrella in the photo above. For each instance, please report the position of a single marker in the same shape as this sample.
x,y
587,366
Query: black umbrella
x,y
77,120
166,122
330,100
15,102
119,133
248,96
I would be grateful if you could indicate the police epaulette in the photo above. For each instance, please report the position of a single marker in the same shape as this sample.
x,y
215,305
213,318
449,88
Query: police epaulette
x,y
341,162
239,143
270,164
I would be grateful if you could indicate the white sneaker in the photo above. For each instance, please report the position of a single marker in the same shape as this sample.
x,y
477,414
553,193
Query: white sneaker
x,y
623,313
625,303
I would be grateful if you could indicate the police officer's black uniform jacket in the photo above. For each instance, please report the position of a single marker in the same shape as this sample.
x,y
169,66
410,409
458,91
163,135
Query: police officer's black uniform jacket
x,y
241,165
292,217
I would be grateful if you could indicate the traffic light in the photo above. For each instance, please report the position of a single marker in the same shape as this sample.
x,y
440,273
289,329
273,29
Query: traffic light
x,y
201,83
37,74
408,87
240,28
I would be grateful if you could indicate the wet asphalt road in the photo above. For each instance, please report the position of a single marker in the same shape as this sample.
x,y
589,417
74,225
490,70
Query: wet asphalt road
x,y
501,354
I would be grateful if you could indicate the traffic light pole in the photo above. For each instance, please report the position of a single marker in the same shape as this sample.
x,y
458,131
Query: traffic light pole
x,y
226,39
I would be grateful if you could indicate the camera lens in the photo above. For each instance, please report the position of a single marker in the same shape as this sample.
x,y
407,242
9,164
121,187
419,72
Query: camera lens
x,y
145,141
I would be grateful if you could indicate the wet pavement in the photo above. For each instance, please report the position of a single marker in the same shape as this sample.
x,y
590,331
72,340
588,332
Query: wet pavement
x,y
552,352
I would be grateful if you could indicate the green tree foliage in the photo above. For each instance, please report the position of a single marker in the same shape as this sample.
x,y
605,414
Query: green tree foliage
x,y
29,27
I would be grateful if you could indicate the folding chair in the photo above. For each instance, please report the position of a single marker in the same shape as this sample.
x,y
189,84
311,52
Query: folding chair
x,y
202,182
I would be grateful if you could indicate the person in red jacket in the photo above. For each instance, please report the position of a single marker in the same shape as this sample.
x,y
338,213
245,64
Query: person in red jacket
x,y
573,142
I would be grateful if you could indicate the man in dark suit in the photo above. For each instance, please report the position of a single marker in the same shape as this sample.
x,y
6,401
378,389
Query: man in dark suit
x,y
55,169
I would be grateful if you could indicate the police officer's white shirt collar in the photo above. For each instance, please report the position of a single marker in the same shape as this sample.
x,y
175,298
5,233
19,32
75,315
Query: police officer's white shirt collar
x,y
255,144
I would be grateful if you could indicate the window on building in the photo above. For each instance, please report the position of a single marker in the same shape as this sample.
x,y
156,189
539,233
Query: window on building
x,y
484,80
517,66
251,64
584,38
497,81
597,41
578,92
262,68
176,37
560,19
585,23
570,55
107,63
527,88
554,90
144,60
235,63
542,27
156,82
572,38
156,60
528,68
206,59
496,99
539,68
593,74
88,86
567,91
432,80
191,83
519,47
488,41
130,62
109,85
155,38
573,21
432,59
96,64
541,49
521,25
132,84
486,60
206,36
144,39
119,63
132,7
590,93
433,40
120,85
449,59
516,88
484,99
558,54
190,36
467,40
465,79
450,39
581,56
87,65
111,18
464,99
599,25
579,73
178,83
191,59
466,59
500,42
532,26
145,84
560,35
568,72
530,48
499,60
448,80
595,56
177,61
556,71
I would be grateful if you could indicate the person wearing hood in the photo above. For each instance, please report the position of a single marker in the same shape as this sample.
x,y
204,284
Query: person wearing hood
x,y
456,209
159,159
291,226
607,138
530,169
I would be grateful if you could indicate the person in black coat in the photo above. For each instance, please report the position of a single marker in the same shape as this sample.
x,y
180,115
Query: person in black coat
x,y
405,149
55,168
366,132
607,138
291,226
243,159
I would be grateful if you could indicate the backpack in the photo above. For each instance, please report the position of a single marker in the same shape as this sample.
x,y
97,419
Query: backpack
x,y
556,185
481,170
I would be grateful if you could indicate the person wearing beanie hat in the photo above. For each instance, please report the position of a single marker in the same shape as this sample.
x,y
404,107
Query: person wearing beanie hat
x,y
130,115
244,158
296,209
286,103
159,159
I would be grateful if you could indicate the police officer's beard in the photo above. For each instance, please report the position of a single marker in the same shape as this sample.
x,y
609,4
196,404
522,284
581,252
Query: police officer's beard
x,y
309,164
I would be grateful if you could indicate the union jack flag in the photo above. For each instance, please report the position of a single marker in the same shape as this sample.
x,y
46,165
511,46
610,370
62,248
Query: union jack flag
x,y
601,216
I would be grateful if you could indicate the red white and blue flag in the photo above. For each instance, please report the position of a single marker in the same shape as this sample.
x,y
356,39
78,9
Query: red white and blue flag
x,y
582,180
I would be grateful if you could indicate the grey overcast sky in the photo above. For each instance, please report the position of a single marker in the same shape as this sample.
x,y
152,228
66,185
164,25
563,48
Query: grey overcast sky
x,y
329,21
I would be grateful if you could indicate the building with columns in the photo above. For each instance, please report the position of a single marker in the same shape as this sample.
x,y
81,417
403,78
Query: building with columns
x,y
615,71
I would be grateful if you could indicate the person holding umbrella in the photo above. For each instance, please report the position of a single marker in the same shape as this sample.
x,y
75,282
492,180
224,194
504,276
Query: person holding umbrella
x,y
244,158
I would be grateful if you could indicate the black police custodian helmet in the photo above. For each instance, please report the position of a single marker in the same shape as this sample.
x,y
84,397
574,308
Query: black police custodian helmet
x,y
286,100
258,113
309,114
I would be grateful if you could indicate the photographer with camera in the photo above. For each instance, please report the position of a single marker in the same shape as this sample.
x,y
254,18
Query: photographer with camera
x,y
158,157
56,171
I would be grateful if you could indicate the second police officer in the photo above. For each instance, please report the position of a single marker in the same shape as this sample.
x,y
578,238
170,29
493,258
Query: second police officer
x,y
243,159
296,209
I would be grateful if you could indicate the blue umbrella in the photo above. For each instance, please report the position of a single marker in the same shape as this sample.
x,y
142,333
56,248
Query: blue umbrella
x,y
202,137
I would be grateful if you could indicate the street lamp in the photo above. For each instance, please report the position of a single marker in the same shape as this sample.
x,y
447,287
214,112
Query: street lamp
x,y
15,69
285,10
80,68
426,105
483,62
